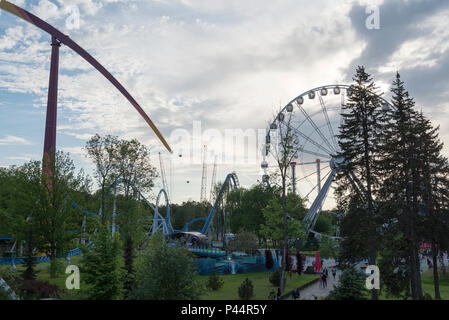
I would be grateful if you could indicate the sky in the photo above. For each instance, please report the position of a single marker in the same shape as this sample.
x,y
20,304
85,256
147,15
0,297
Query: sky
x,y
206,70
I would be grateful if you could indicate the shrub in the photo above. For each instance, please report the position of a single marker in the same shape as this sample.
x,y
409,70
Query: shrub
x,y
214,282
299,262
275,278
246,290
350,287
269,263
40,288
289,263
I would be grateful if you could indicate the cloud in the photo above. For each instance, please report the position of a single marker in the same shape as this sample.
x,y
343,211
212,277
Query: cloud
x,y
227,64
13,141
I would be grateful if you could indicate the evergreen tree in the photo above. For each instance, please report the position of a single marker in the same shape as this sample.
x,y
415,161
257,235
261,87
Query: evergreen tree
x,y
351,286
362,124
101,267
246,290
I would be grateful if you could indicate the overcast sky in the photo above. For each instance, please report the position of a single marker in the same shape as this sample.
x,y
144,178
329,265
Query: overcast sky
x,y
226,64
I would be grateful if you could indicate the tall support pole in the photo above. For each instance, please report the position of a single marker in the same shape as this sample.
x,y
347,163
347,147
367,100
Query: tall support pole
x,y
293,164
318,175
52,102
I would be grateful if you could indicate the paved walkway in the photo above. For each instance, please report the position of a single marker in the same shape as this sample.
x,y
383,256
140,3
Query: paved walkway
x,y
317,291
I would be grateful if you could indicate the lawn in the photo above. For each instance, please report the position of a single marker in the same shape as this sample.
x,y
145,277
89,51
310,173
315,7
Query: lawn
x,y
261,284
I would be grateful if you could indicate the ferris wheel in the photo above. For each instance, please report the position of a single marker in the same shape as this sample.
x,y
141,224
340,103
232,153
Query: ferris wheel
x,y
315,118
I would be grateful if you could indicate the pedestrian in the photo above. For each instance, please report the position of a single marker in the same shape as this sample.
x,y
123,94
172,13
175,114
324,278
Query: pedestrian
x,y
334,273
278,295
321,281
324,280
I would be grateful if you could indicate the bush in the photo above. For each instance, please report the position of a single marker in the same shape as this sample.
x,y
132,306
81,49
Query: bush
x,y
269,263
299,262
427,296
214,282
289,262
246,290
39,289
275,278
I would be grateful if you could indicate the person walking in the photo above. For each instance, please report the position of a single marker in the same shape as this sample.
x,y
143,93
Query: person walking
x,y
324,280
321,281
334,272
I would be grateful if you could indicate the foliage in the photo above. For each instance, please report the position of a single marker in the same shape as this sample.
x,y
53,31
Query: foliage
x,y
214,282
103,152
101,267
273,213
243,240
166,272
244,207
328,248
246,290
351,286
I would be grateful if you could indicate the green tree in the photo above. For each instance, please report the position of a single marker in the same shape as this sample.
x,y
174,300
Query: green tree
x,y
273,214
244,207
101,267
166,272
328,248
284,151
103,152
243,240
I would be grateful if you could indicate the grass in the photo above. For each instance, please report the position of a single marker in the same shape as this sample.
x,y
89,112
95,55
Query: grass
x,y
262,286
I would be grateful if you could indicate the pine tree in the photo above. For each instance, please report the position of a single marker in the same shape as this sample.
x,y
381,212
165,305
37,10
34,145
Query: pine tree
x,y
350,287
101,267
358,140
397,166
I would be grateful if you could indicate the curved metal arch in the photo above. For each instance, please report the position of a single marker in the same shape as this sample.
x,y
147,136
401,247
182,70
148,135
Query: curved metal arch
x,y
167,209
186,227
231,177
31,18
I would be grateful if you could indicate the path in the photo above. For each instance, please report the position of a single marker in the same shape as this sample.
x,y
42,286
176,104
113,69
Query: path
x,y
315,290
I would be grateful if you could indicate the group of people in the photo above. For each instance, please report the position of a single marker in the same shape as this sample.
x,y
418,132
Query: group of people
x,y
295,294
